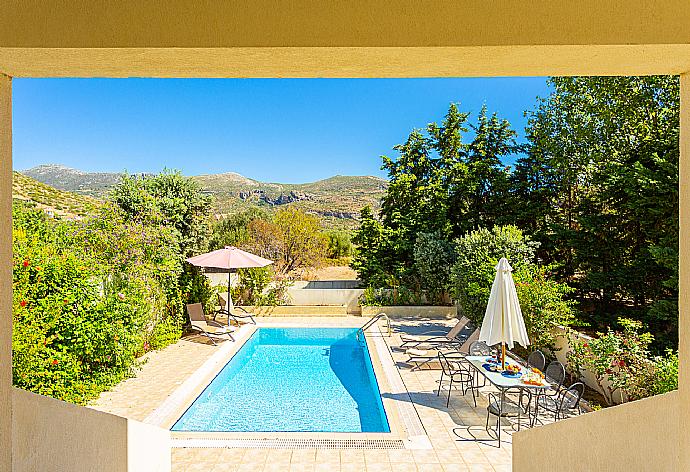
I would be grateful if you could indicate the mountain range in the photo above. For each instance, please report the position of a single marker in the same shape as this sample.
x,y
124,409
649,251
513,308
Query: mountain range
x,y
337,200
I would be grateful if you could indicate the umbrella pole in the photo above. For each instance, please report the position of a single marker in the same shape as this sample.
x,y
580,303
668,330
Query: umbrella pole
x,y
503,344
227,302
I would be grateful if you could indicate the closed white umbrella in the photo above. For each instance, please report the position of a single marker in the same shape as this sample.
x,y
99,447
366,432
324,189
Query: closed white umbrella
x,y
503,322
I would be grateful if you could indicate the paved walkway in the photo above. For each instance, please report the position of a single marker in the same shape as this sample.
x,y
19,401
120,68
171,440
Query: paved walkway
x,y
446,427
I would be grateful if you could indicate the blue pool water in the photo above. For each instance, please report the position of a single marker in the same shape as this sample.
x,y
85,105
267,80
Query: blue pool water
x,y
292,379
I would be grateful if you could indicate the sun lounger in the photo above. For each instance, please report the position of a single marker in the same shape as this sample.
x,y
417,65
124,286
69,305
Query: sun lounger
x,y
424,357
233,313
198,321
435,337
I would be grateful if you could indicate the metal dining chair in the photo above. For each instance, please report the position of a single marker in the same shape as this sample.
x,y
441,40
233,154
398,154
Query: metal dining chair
x,y
565,402
479,348
502,406
555,376
537,360
455,372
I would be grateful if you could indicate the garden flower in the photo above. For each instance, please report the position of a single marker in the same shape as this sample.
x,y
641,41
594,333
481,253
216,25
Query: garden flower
x,y
55,362
22,303
121,296
25,263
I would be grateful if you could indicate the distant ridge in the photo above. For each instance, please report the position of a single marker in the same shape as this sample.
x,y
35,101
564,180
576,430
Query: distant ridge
x,y
337,200
93,184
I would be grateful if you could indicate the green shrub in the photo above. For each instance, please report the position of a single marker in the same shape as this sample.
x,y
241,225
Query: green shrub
x,y
619,361
433,259
473,273
339,245
543,303
91,296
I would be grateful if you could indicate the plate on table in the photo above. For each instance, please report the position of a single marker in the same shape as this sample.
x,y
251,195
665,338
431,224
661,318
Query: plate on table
x,y
492,360
490,367
511,375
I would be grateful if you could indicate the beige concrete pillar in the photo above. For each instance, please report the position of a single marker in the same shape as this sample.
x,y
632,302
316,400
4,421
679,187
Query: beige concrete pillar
x,y
684,276
5,272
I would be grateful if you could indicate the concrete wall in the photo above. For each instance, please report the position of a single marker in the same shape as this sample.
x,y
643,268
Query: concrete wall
x,y
51,435
324,292
411,311
636,436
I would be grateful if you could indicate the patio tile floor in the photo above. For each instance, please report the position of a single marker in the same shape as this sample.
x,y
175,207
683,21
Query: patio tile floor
x,y
446,427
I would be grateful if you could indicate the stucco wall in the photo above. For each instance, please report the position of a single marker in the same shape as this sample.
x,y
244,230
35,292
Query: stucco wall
x,y
636,436
5,270
411,311
51,435
326,293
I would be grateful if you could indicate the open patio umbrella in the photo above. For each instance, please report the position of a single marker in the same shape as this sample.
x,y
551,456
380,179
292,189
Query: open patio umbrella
x,y
503,322
229,258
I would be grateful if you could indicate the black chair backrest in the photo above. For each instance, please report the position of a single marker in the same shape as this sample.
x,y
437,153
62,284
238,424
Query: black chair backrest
x,y
446,367
479,348
537,360
555,373
573,395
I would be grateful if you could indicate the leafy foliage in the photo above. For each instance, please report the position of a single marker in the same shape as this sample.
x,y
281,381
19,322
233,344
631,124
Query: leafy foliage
x,y
438,183
433,259
620,362
473,273
544,303
598,187
168,199
339,244
90,296
292,239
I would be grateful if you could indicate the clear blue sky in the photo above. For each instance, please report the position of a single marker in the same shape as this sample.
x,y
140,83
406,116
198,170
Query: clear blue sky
x,y
280,130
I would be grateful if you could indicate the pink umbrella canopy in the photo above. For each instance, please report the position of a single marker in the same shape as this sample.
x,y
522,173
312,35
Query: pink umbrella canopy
x,y
229,258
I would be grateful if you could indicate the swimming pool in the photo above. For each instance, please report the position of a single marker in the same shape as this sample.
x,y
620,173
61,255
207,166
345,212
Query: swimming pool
x,y
292,380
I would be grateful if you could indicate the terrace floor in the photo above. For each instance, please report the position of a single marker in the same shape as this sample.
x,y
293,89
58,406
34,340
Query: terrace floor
x,y
446,427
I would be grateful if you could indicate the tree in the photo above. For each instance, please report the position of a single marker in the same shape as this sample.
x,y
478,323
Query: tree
x,y
293,239
171,199
438,184
598,188
233,229
339,244
433,258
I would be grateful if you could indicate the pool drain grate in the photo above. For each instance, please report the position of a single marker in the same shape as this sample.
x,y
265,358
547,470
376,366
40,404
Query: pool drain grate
x,y
292,443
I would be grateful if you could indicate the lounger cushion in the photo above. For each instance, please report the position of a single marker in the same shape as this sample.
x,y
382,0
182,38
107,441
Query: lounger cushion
x,y
421,353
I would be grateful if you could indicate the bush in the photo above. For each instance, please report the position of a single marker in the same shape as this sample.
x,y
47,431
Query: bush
x,y
91,296
665,377
619,361
233,230
473,273
72,339
399,296
339,245
433,259
543,303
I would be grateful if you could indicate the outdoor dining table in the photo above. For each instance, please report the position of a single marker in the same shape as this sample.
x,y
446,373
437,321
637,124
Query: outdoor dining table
x,y
503,383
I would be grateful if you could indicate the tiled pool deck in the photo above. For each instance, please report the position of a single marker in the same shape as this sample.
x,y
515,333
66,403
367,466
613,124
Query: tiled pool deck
x,y
451,450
